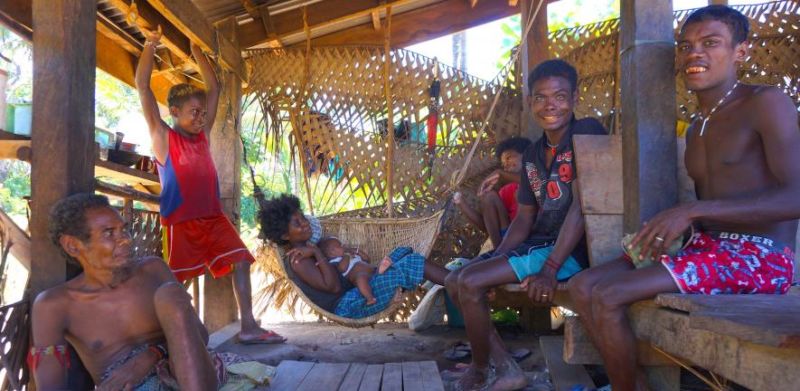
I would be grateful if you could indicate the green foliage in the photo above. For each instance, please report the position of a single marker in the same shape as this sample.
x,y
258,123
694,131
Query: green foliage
x,y
112,100
560,15
512,33
571,13
14,184
17,60
268,167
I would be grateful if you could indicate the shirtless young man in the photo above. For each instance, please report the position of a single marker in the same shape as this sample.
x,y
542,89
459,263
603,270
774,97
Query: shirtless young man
x,y
742,155
122,315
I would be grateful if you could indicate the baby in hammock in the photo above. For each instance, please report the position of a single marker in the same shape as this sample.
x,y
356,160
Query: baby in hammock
x,y
352,266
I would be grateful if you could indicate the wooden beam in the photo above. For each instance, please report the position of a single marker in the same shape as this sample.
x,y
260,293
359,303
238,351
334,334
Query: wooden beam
x,y
118,35
16,15
266,21
121,64
126,192
172,38
187,18
324,18
649,149
291,22
376,20
127,175
62,140
251,8
423,24
9,148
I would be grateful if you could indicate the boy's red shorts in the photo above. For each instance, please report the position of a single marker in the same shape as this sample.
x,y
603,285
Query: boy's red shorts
x,y
207,242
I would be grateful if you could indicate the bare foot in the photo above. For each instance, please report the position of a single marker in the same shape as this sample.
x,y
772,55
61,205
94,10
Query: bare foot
x,y
371,301
509,376
384,264
473,379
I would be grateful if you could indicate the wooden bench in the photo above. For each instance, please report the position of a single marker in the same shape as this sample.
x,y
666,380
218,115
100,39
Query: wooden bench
x,y
753,340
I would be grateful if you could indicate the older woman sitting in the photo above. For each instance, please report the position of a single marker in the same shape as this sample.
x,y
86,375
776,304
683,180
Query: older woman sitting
x,y
282,222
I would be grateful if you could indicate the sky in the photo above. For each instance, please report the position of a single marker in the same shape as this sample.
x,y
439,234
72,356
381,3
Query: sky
x,y
485,42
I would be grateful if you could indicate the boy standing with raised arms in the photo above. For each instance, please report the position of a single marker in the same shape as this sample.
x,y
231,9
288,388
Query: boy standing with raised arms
x,y
199,235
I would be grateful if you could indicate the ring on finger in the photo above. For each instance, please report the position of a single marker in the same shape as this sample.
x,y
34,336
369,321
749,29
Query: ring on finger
x,y
659,238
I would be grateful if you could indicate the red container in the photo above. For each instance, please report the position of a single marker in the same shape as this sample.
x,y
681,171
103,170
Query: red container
x,y
128,147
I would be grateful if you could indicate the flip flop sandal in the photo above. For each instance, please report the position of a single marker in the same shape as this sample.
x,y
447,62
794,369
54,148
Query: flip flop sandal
x,y
267,338
456,355
458,352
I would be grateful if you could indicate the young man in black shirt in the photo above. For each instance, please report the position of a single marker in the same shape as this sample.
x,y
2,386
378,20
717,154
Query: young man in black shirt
x,y
545,241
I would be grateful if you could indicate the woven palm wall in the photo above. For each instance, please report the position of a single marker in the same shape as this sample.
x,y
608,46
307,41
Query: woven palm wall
x,y
592,49
332,103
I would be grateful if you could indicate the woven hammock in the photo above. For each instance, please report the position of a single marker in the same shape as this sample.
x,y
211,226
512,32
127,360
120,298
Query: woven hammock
x,y
377,237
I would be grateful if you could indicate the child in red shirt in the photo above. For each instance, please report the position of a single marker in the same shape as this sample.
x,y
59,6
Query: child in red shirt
x,y
200,237
498,207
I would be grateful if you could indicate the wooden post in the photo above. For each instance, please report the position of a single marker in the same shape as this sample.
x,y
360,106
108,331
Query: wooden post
x,y
127,211
219,304
534,49
648,124
62,143
387,69
648,118
717,2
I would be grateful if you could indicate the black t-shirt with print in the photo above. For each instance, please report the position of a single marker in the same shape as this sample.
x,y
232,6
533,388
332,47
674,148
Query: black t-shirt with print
x,y
551,190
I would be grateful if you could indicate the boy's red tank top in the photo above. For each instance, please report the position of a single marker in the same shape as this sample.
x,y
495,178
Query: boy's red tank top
x,y
189,183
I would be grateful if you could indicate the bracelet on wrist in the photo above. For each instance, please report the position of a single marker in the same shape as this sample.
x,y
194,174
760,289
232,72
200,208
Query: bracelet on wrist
x,y
159,350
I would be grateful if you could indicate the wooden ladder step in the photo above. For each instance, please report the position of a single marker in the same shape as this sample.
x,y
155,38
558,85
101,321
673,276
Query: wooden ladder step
x,y
564,376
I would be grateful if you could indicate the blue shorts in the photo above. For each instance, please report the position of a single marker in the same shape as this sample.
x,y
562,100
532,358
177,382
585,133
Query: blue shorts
x,y
406,272
525,265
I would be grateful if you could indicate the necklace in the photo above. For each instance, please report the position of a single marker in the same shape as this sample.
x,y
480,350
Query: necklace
x,y
705,118
551,147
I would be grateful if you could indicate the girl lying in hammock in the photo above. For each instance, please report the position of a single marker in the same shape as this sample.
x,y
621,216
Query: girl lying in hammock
x,y
282,222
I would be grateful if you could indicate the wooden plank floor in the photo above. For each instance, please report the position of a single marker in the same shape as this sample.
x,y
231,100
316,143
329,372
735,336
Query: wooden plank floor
x,y
405,376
